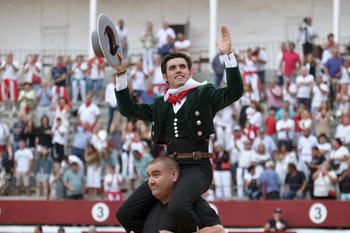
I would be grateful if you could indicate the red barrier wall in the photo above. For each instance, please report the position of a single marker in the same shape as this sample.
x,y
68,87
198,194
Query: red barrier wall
x,y
232,213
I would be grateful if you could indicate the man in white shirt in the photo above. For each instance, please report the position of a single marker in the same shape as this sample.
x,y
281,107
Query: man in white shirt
x,y
88,112
319,93
289,91
111,100
244,161
305,145
23,165
123,36
308,34
182,44
223,121
285,131
305,83
163,34
262,59
58,139
32,72
9,81
139,77
79,70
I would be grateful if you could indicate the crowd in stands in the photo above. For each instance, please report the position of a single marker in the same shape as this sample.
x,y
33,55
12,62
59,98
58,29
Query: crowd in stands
x,y
274,142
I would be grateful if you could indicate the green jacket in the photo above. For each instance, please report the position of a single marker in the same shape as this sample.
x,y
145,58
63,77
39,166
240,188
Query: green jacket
x,y
200,107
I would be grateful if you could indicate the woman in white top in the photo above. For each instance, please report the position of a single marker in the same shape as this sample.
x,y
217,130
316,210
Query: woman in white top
x,y
324,182
259,158
79,83
283,158
250,74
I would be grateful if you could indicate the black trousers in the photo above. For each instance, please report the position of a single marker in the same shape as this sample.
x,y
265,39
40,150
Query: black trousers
x,y
59,151
195,179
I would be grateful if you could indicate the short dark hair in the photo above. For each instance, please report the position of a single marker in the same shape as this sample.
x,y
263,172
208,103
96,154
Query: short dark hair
x,y
172,56
170,163
292,166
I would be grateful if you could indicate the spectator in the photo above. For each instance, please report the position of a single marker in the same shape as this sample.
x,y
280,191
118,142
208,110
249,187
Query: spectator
x,y
159,83
99,137
308,34
343,131
319,94
285,107
222,174
283,158
7,163
43,167
244,161
58,81
61,230
167,48
324,146
116,132
38,229
305,145
295,183
291,61
317,160
297,118
26,101
277,223
94,170
250,75
109,159
280,65
270,182
96,75
74,181
305,122
24,162
260,158
57,188
9,88
79,83
270,123
218,66
342,99
254,119
44,134
16,130
324,181
148,96
305,83
327,49
311,64
128,132
29,133
262,59
44,101
113,183
274,95
123,37
141,162
344,180
251,181
148,43
223,122
289,91
323,120
58,139
61,111
4,135
267,141
339,156
163,34
285,129
32,70
88,112
81,140
111,100
182,44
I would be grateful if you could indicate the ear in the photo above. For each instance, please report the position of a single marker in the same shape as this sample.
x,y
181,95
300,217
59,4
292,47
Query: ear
x,y
175,175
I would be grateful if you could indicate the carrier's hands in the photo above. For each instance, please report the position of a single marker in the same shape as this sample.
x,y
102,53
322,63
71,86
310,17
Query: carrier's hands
x,y
225,45
165,231
122,65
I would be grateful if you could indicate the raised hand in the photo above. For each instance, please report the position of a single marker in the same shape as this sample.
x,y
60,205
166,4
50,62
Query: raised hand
x,y
225,45
122,65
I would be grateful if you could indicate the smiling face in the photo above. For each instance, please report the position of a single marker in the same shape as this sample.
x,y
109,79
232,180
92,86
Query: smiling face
x,y
177,72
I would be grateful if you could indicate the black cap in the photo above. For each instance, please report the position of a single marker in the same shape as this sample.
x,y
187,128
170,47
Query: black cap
x,y
278,210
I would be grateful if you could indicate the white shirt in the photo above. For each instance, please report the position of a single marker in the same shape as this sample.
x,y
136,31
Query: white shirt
x,y
78,70
183,44
305,123
110,95
305,145
9,72
122,33
114,187
343,132
326,146
282,135
245,158
139,81
304,91
287,93
318,97
88,114
307,33
263,57
23,157
224,117
95,71
162,35
249,177
57,137
341,152
158,76
234,152
32,70
323,184
256,119
270,145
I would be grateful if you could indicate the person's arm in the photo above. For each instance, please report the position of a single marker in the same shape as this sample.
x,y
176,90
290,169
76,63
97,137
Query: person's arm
x,y
267,227
60,79
327,73
31,166
213,229
342,177
302,188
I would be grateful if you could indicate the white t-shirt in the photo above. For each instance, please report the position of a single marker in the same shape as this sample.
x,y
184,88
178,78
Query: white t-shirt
x,y
263,57
287,93
323,184
57,137
78,70
249,177
88,114
139,81
282,135
343,132
162,35
32,70
318,97
245,158
9,72
114,187
122,33
305,146
23,157
339,154
183,44
304,91
224,117
326,146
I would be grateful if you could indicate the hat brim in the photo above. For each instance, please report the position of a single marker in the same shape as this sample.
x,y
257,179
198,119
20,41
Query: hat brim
x,y
105,41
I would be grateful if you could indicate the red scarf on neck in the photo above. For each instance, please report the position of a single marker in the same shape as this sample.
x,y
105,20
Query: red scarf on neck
x,y
178,98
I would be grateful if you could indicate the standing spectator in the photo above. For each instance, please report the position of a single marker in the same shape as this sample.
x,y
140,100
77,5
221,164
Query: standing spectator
x,y
94,170
305,84
291,61
339,156
262,59
79,83
61,111
317,160
112,185
43,167
295,183
32,70
280,65
277,223
343,131
324,181
270,123
218,66
16,130
96,74
44,134
270,182
109,159
274,95
158,82
58,139
324,146
123,37
308,34
342,99
285,129
323,120
9,88
289,91
116,132
99,137
4,135
88,112
81,140
269,144
23,166
7,164
305,145
167,48
139,76
148,96
259,158
43,101
111,100
251,181
223,122
128,132
74,181
254,119
29,134
162,35
26,101
58,81
344,180
311,64
250,75
222,174
319,94
244,161
148,43
182,44
141,162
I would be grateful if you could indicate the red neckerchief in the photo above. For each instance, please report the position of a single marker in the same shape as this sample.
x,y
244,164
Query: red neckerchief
x,y
237,137
61,107
149,93
307,136
87,105
177,99
304,76
337,148
59,66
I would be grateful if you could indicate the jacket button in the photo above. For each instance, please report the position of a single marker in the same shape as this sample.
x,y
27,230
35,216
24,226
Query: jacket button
x,y
152,133
175,119
196,113
199,133
153,123
199,122
176,135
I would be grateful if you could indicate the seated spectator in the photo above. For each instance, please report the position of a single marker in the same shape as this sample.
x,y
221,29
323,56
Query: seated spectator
x,y
285,107
44,101
139,77
58,139
44,134
4,135
339,156
113,183
317,160
222,174
251,182
269,182
7,164
269,145
182,44
285,130
26,101
319,93
167,48
147,96
324,146
81,140
88,112
57,188
323,120
61,110
94,170
141,162
28,134
74,181
16,130
24,163
79,82
344,180
324,180
277,223
295,183
43,167
260,158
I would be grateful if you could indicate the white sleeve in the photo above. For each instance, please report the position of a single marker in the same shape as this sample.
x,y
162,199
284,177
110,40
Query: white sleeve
x,y
122,82
230,60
